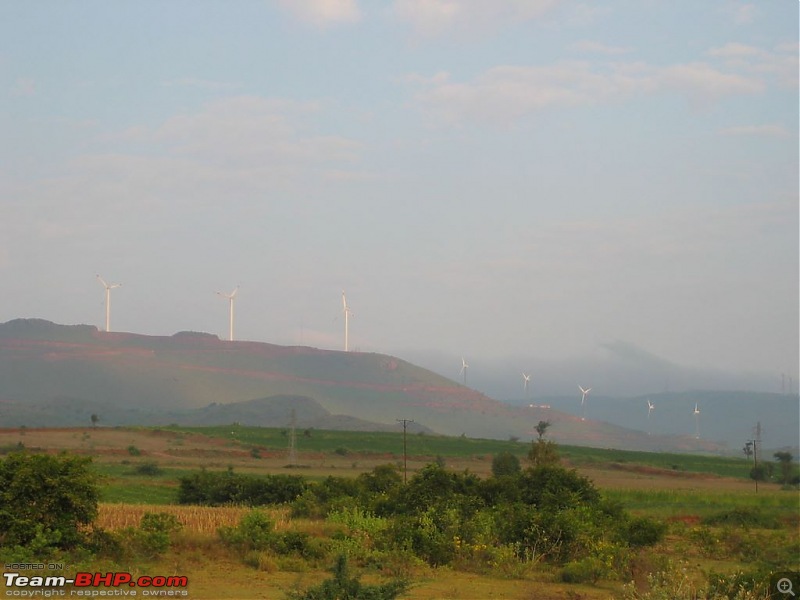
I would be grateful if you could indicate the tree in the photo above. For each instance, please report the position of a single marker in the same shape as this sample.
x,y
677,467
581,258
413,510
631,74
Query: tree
x,y
505,463
785,463
543,454
95,419
541,428
344,587
46,499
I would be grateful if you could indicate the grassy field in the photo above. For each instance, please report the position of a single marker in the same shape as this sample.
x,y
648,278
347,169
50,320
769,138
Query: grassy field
x,y
681,490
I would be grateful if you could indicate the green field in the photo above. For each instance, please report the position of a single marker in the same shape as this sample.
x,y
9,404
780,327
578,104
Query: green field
x,y
447,446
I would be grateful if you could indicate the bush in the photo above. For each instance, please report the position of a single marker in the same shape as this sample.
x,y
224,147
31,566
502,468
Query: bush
x,y
588,569
505,463
344,587
255,531
641,531
48,498
742,517
149,468
215,489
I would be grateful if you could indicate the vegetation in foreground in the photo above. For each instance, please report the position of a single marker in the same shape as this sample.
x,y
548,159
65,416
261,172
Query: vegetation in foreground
x,y
542,523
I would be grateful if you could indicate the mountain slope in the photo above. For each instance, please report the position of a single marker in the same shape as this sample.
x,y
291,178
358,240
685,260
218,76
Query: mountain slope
x,y
54,374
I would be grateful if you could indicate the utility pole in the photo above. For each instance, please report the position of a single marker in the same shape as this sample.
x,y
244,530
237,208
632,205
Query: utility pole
x,y
405,423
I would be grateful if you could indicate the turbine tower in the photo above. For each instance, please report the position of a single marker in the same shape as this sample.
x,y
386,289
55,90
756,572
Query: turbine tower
x,y
464,367
650,407
526,380
230,298
347,312
584,393
696,421
108,287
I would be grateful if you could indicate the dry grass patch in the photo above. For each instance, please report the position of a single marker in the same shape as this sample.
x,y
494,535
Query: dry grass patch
x,y
195,519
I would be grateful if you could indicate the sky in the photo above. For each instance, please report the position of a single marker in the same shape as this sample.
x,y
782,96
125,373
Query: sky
x,y
536,179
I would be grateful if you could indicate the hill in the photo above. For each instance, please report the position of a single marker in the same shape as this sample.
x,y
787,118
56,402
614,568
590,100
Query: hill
x,y
56,375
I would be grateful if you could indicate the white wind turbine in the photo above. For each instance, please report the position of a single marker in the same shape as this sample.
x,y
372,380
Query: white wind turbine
x,y
464,367
347,312
108,287
696,421
650,407
230,298
584,393
526,380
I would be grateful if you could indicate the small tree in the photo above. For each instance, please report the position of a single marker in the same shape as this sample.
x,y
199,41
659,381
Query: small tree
x,y
505,463
541,428
344,587
95,419
543,454
46,498
785,463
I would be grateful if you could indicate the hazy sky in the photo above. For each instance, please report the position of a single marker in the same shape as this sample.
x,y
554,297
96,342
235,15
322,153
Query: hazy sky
x,y
483,177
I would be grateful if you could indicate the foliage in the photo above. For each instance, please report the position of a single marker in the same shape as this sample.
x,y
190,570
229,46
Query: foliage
x,y
543,454
505,463
742,517
255,531
588,569
541,428
344,587
149,468
788,471
215,489
46,499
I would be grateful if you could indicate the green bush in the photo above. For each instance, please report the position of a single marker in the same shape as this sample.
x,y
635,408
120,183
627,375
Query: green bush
x,y
149,468
344,587
742,517
46,499
586,570
219,488
505,463
255,531
641,531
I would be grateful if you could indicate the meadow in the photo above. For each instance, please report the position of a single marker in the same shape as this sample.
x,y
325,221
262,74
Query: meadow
x,y
715,521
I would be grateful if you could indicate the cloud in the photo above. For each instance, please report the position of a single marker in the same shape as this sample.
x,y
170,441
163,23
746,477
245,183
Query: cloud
x,y
429,18
589,47
735,50
744,14
24,86
323,13
757,130
504,94
194,82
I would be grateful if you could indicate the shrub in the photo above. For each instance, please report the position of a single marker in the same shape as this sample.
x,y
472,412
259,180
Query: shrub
x,y
344,587
149,468
742,517
46,498
255,531
505,463
588,569
134,451
641,531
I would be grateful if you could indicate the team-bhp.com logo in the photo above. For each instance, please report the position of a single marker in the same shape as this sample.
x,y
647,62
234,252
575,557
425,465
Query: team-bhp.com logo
x,y
86,584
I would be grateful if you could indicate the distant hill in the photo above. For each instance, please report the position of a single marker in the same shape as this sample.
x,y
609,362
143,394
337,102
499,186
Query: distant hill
x,y
55,375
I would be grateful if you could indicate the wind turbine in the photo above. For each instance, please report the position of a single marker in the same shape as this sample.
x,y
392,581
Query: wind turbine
x,y
347,312
464,367
108,287
650,407
584,393
526,379
696,421
230,298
